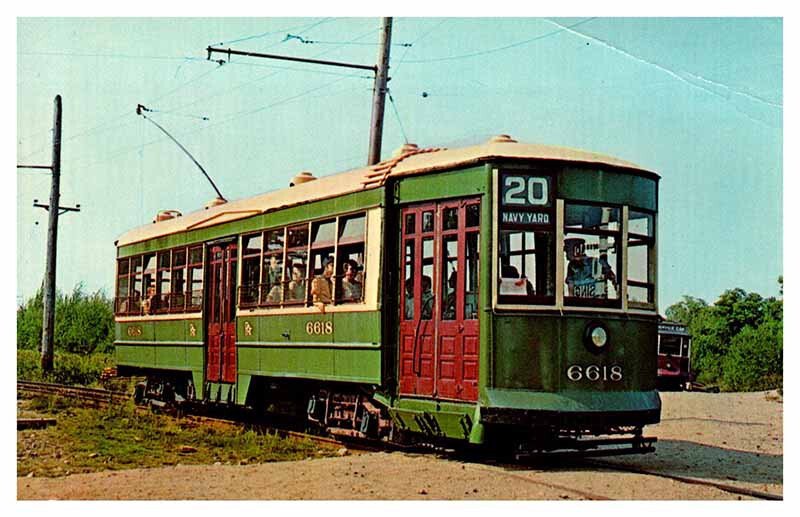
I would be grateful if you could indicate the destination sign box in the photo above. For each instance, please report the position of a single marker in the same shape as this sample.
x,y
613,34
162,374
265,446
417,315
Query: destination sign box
x,y
525,199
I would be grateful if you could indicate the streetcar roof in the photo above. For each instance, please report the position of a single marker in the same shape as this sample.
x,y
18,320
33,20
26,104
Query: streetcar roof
x,y
407,161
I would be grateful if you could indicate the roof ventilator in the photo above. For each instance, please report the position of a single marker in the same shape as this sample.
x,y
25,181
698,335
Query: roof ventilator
x,y
215,202
303,177
166,215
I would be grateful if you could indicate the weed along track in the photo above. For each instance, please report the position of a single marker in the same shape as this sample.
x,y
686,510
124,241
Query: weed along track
x,y
102,430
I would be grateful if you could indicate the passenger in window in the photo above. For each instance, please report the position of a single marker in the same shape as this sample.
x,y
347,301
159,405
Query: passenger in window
x,y
351,285
322,286
150,303
450,299
296,287
586,276
427,298
274,271
409,309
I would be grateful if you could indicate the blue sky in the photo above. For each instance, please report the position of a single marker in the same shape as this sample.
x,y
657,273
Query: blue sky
x,y
700,101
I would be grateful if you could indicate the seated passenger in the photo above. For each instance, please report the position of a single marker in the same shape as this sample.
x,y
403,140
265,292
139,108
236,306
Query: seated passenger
x,y
427,298
409,308
450,299
296,290
322,286
351,286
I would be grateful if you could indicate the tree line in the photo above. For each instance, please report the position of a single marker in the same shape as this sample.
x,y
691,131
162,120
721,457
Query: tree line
x,y
737,342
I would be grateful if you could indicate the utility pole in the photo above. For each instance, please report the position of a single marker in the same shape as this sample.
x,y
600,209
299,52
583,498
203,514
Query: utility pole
x,y
379,94
381,71
54,210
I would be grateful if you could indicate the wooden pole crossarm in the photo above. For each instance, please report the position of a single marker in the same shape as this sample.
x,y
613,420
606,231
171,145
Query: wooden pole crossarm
x,y
231,52
48,167
61,209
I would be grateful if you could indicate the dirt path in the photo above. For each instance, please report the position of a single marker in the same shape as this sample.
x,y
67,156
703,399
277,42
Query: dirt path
x,y
727,438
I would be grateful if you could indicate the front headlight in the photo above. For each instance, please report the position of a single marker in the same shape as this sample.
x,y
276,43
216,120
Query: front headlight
x,y
599,337
596,337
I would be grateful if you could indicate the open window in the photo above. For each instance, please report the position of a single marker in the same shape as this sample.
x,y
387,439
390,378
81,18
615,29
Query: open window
x,y
294,279
272,267
323,243
592,255
251,270
122,300
350,259
641,263
194,295
177,299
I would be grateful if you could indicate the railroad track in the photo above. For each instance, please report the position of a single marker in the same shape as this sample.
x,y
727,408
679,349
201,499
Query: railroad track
x,y
733,489
103,397
96,395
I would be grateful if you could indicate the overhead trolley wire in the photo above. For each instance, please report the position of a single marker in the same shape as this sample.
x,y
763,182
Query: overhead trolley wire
x,y
500,49
232,116
279,31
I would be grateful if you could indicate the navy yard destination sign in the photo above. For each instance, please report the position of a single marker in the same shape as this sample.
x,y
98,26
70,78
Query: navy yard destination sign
x,y
525,199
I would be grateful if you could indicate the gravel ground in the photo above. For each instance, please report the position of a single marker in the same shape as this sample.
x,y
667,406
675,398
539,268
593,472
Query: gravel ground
x,y
729,438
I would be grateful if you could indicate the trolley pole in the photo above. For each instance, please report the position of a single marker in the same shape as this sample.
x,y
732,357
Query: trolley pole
x,y
379,94
54,210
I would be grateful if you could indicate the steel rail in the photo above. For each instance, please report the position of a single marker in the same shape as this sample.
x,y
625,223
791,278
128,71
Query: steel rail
x,y
688,480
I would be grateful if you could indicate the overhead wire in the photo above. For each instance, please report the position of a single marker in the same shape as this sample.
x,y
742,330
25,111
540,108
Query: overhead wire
x,y
233,116
681,75
500,49
397,115
279,31
152,101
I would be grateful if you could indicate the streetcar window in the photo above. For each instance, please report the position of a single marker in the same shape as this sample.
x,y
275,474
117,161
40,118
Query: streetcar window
x,y
471,275
526,267
121,305
450,219
350,259
194,295
296,264
134,302
177,297
411,220
592,258
271,286
251,269
427,299
427,221
323,265
473,215
641,267
449,276
669,345
408,280
160,302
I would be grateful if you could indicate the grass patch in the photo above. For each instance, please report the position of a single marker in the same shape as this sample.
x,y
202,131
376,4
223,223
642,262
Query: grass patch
x,y
121,437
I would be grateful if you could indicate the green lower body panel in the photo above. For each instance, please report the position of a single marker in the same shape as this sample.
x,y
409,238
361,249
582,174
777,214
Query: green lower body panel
x,y
158,356
453,420
340,364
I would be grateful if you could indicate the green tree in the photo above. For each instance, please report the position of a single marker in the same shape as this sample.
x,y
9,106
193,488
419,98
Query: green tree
x,y
685,310
736,341
84,323
755,358
29,322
